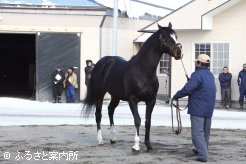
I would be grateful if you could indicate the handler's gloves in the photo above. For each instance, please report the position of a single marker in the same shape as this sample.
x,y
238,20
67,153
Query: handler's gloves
x,y
187,78
175,97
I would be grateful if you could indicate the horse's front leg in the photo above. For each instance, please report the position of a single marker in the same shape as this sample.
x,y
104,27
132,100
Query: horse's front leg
x,y
133,103
111,108
149,108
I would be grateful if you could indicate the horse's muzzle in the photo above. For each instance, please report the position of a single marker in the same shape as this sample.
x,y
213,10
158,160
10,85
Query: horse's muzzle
x,y
177,51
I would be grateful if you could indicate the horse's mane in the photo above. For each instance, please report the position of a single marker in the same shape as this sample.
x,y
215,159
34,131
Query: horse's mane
x,y
145,45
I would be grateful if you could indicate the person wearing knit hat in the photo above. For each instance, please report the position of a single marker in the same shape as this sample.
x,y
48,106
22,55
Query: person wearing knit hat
x,y
241,80
58,77
201,91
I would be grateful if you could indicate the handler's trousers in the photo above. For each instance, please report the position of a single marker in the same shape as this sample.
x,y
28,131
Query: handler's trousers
x,y
200,132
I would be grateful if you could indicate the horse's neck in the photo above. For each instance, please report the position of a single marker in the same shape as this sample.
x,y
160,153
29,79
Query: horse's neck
x,y
148,58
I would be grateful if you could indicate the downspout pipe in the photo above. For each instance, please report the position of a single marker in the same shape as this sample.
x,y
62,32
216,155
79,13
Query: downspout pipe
x,y
115,27
100,36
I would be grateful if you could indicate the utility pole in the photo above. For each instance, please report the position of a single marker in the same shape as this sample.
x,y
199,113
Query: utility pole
x,y
115,21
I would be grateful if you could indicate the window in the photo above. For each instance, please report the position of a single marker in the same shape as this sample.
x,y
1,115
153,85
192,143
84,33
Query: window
x,y
164,64
218,52
220,57
202,48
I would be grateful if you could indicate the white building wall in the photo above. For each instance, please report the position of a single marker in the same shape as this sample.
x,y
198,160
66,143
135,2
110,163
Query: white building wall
x,y
189,17
87,26
90,49
229,27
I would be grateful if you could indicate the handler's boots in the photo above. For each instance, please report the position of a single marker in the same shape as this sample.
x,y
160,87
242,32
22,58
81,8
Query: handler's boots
x,y
59,99
241,106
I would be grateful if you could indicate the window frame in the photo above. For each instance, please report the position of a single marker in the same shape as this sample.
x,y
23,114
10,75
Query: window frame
x,y
212,55
159,66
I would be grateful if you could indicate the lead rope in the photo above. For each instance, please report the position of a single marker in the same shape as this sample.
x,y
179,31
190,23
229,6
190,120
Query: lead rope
x,y
186,75
178,117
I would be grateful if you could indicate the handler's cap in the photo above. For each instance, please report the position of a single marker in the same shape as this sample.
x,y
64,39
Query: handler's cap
x,y
244,65
204,58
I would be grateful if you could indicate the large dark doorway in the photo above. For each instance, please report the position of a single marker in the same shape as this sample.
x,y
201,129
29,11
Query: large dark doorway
x,y
55,49
17,65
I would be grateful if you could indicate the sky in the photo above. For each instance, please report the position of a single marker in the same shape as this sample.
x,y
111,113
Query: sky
x,y
165,3
135,9
131,7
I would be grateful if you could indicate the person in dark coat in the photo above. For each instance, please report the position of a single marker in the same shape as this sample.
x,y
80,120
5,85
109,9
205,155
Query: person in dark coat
x,y
57,78
225,85
241,80
88,69
201,92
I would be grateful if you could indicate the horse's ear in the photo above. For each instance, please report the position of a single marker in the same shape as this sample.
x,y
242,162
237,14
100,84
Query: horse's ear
x,y
170,25
159,26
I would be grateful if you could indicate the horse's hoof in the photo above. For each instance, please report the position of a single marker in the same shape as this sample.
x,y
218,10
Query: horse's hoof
x,y
135,152
112,142
149,150
101,143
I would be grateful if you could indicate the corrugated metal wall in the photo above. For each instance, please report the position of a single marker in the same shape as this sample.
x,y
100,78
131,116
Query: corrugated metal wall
x,y
54,49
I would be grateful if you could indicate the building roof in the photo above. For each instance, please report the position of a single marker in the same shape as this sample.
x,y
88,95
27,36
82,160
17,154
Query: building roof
x,y
53,3
195,15
134,7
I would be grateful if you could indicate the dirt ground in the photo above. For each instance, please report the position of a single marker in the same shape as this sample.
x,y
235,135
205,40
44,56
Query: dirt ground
x,y
78,144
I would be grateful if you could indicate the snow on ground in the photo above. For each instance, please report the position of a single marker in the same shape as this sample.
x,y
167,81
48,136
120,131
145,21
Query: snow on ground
x,y
25,112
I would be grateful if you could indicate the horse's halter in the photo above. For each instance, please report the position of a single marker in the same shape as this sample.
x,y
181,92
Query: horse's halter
x,y
171,47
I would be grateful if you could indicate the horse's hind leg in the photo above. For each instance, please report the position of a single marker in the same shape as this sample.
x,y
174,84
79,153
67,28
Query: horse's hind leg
x,y
111,108
149,108
98,115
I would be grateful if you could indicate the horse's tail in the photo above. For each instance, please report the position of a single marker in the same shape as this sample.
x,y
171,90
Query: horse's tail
x,y
91,94
89,101
95,88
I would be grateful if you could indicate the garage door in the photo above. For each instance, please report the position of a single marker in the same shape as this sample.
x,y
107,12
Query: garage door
x,y
54,49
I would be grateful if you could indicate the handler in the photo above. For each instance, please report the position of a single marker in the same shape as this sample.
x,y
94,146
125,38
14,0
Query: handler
x,y
201,90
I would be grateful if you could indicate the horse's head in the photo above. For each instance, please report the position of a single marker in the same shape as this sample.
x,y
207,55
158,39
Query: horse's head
x,y
169,43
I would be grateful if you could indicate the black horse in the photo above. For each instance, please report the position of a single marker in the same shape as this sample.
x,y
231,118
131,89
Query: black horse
x,y
133,81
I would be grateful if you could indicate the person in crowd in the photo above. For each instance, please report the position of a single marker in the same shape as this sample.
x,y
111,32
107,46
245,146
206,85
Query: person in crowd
x,y
241,80
225,86
88,69
58,77
201,91
70,84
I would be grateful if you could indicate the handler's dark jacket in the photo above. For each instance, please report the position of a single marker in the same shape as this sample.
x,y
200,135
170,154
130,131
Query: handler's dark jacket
x,y
60,81
225,80
241,80
201,90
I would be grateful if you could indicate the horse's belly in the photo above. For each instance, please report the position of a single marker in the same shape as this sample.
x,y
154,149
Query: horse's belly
x,y
117,92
